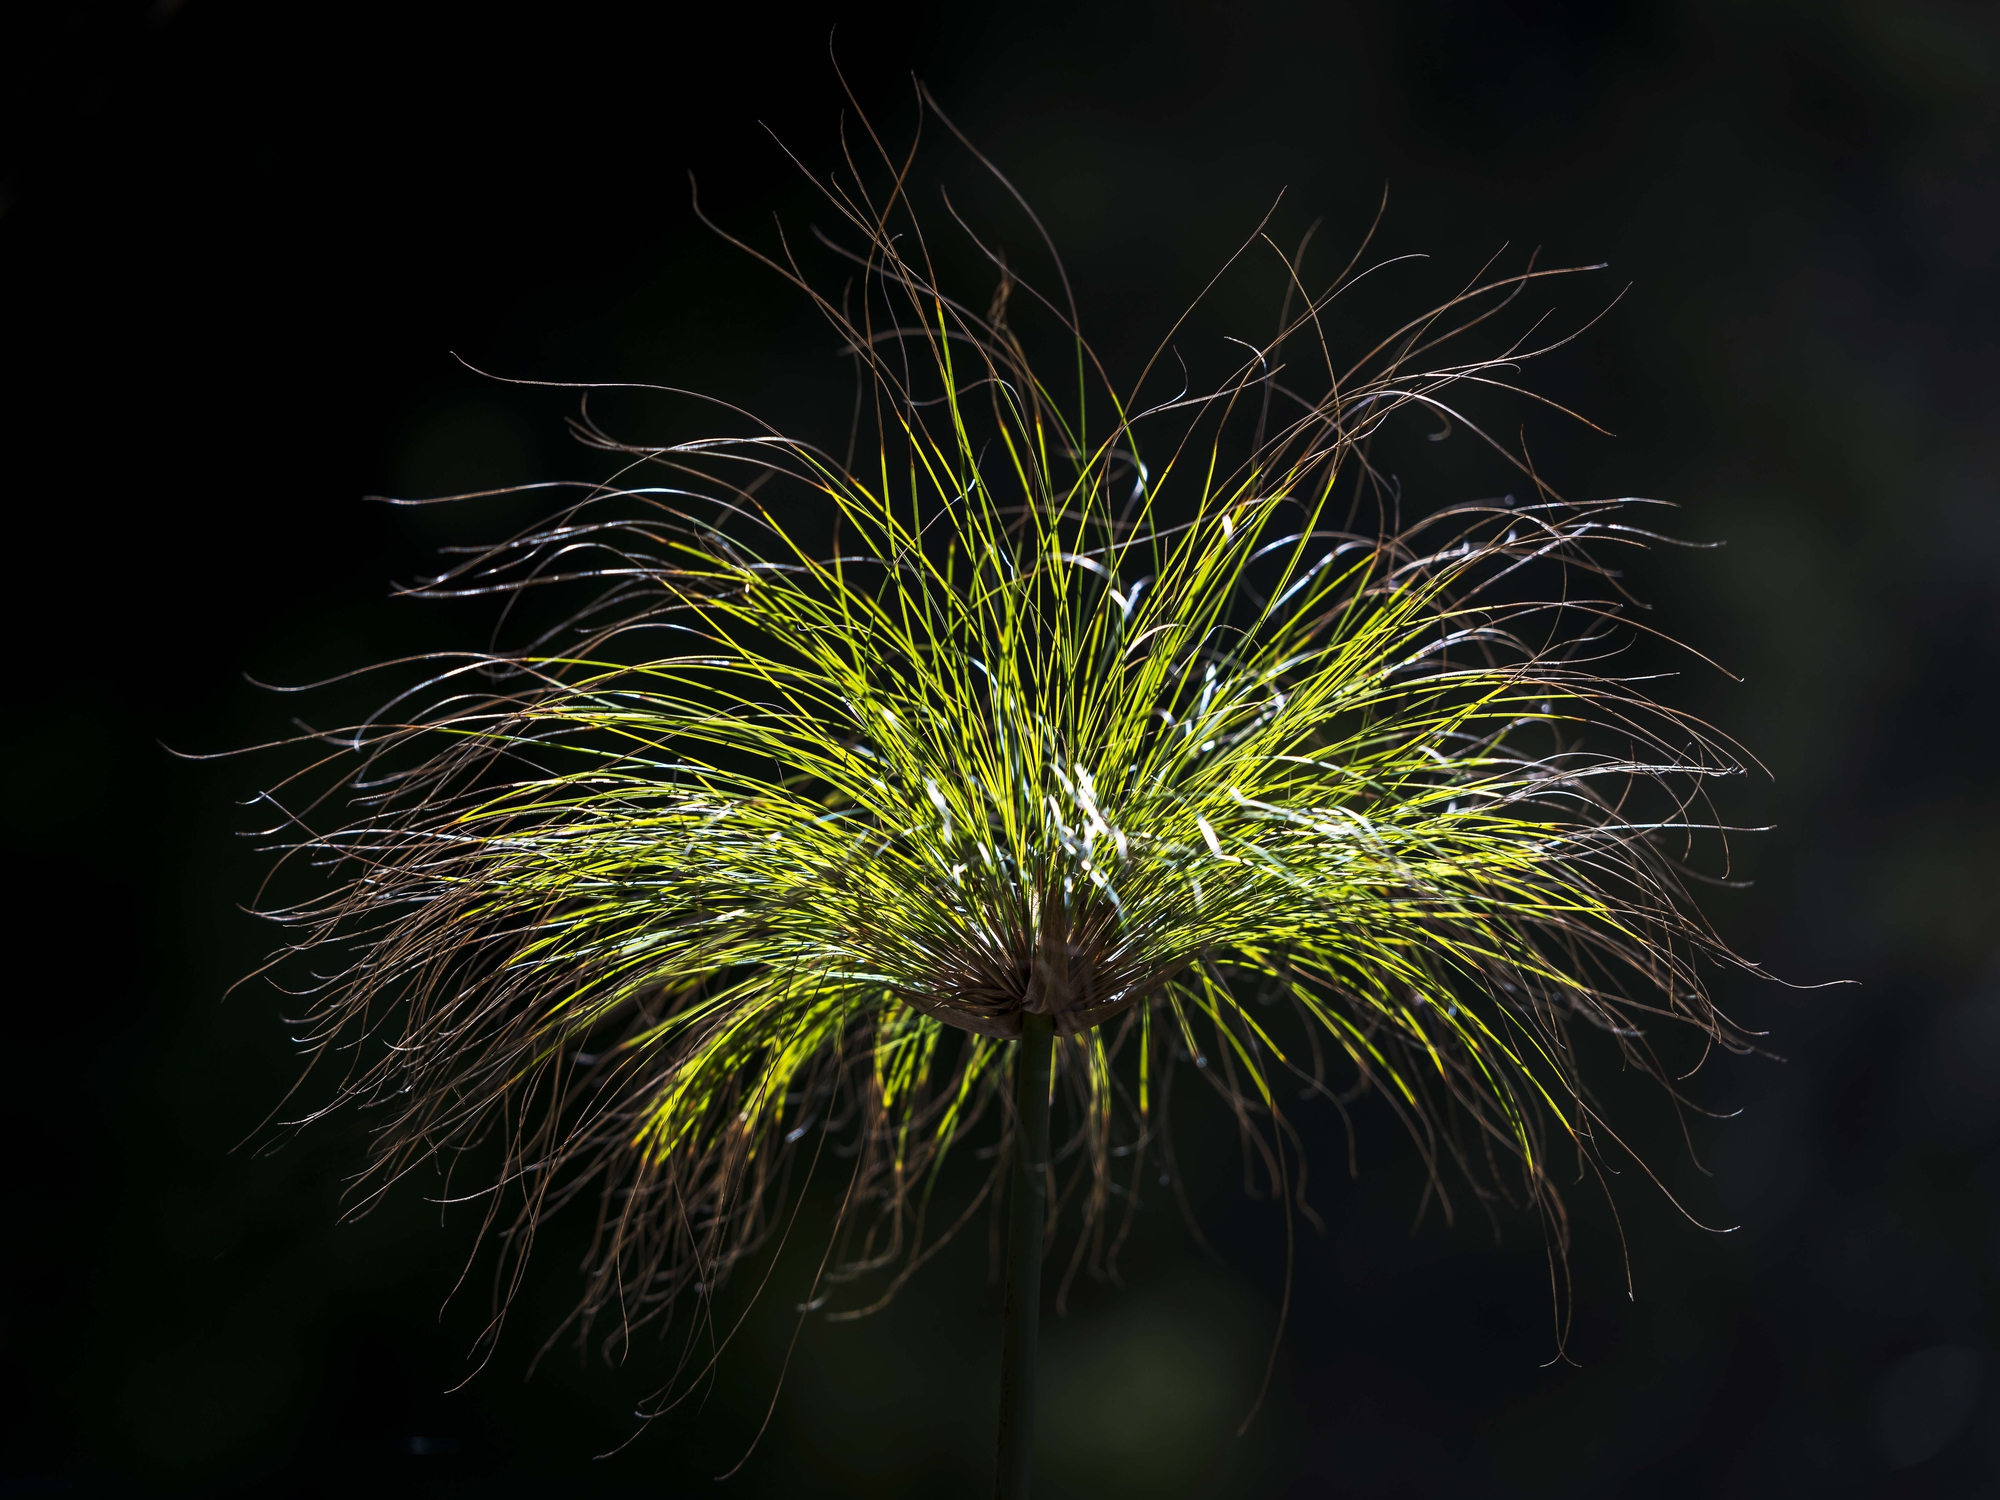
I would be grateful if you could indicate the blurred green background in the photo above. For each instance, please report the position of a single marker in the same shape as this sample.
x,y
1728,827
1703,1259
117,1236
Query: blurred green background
x,y
240,247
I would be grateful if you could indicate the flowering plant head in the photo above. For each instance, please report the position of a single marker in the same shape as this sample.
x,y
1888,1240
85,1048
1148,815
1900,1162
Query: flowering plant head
x,y
1143,711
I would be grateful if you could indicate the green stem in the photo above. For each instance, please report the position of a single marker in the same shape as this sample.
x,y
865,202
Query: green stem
x,y
1025,1220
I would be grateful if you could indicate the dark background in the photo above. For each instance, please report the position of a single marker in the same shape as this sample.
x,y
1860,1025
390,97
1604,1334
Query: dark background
x,y
239,247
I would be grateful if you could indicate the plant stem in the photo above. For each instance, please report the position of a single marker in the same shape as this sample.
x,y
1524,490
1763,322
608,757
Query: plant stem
x,y
1025,1218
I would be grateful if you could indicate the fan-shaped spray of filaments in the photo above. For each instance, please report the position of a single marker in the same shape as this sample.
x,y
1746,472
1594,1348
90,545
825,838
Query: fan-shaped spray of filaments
x,y
1111,715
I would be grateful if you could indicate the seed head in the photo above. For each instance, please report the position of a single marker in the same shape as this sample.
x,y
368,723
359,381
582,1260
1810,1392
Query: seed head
x,y
1145,712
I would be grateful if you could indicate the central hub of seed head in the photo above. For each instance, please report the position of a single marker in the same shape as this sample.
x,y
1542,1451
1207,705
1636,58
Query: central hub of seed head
x,y
1080,984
